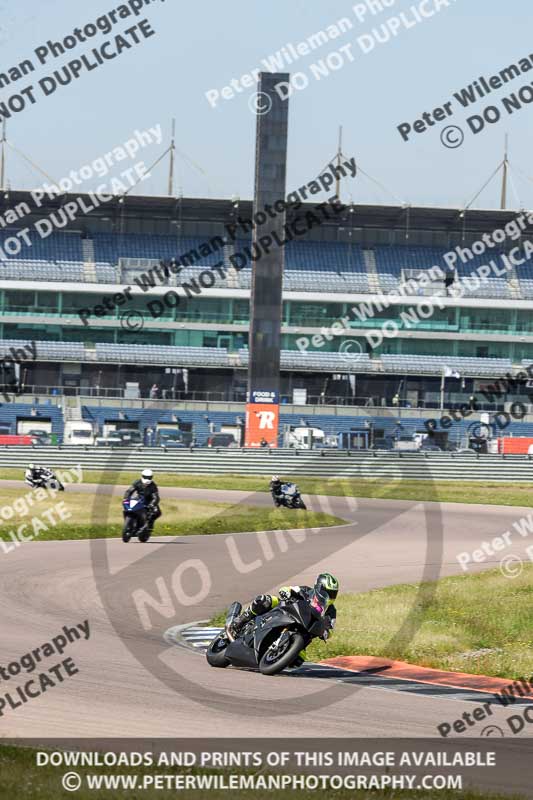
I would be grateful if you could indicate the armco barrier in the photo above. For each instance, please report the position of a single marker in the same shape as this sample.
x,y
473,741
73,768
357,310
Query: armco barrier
x,y
319,463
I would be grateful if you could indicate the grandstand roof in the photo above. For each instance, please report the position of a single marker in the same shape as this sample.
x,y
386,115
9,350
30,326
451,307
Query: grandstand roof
x,y
205,210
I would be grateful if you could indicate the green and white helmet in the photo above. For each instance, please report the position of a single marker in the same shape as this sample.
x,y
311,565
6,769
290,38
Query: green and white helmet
x,y
327,583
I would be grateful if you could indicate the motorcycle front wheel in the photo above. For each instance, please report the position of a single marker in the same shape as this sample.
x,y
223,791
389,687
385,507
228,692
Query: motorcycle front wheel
x,y
128,530
216,652
279,656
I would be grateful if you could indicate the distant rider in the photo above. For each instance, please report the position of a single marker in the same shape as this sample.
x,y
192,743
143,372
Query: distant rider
x,y
147,488
34,475
275,489
321,596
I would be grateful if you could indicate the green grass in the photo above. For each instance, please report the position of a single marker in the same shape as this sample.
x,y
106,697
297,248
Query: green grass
x,y
386,488
102,517
20,778
466,613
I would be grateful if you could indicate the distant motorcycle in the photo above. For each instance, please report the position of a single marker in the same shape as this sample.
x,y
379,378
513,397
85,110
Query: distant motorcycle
x,y
135,519
289,497
46,480
270,642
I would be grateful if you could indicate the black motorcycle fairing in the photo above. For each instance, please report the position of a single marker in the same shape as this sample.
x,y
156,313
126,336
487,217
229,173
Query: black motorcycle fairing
x,y
292,616
246,651
290,613
241,653
138,520
267,626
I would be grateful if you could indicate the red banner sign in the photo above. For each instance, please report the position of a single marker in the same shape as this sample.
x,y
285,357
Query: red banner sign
x,y
262,420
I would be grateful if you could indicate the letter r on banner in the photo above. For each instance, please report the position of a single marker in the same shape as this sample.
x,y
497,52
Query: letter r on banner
x,y
262,419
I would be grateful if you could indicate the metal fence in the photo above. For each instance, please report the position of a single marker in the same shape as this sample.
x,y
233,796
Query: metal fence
x,y
320,404
323,463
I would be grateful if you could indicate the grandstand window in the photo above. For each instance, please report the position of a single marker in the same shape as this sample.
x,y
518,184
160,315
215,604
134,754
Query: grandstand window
x,y
523,351
48,301
50,333
487,350
524,321
427,347
90,337
311,314
73,301
241,310
487,320
143,337
21,301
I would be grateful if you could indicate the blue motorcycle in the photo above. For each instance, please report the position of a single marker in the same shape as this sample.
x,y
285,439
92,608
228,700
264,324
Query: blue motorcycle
x,y
135,519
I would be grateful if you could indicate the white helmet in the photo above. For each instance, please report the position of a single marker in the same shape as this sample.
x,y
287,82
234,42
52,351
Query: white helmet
x,y
275,478
31,466
147,476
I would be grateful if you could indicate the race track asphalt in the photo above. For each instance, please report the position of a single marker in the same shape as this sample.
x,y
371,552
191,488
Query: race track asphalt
x,y
118,690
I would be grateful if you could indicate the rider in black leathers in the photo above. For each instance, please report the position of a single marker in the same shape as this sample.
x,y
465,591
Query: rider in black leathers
x,y
34,475
275,489
147,488
326,585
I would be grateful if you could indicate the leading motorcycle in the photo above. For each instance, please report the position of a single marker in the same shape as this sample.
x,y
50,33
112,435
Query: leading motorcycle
x,y
289,497
135,519
273,641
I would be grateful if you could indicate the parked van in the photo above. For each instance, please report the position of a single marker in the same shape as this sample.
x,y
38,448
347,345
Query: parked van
x,y
78,432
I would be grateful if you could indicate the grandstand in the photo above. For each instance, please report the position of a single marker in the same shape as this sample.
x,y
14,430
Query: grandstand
x,y
197,349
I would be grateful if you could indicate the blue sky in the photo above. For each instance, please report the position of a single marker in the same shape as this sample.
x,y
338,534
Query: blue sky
x,y
204,45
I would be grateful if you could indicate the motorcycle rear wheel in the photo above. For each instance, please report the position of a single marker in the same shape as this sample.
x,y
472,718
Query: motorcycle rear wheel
x,y
269,664
216,653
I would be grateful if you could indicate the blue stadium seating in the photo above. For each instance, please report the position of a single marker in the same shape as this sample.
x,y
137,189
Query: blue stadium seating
x,y
56,247
11,412
311,266
110,247
333,256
